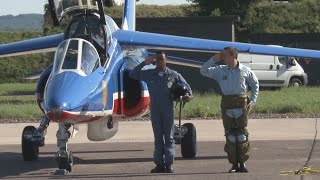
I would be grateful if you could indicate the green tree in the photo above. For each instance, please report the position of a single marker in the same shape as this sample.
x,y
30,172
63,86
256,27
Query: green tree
x,y
225,7
296,17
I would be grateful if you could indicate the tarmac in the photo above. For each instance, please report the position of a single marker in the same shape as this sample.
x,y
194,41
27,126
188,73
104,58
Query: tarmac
x,y
277,145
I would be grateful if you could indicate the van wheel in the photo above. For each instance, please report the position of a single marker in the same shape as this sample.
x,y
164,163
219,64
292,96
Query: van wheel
x,y
295,82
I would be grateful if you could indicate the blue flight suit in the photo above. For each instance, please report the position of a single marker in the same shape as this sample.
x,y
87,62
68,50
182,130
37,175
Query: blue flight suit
x,y
162,112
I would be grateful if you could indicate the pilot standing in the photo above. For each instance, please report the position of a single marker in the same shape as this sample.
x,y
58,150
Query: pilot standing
x,y
234,80
159,81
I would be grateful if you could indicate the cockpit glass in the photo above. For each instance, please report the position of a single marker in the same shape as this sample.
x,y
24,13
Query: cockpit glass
x,y
82,26
90,59
59,55
71,58
64,6
76,55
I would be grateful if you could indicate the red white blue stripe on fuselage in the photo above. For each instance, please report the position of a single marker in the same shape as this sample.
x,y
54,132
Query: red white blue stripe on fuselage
x,y
117,112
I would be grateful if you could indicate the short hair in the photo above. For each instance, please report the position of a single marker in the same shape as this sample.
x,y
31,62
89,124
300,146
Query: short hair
x,y
161,52
232,51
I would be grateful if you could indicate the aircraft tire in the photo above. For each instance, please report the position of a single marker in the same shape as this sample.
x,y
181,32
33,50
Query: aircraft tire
x,y
30,151
70,163
189,142
66,163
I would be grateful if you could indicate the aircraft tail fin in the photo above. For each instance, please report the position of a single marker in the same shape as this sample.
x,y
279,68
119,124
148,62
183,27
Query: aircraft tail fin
x,y
129,15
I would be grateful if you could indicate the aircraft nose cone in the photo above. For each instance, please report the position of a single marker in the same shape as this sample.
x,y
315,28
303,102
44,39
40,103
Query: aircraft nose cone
x,y
67,92
60,92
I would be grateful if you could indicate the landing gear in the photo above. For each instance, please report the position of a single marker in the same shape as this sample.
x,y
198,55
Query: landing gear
x,y
65,161
189,142
186,136
64,157
110,123
30,150
32,139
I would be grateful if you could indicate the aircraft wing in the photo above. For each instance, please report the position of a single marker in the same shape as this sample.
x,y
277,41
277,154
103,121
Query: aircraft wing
x,y
37,45
170,42
181,61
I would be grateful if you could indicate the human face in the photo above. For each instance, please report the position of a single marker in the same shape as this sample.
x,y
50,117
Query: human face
x,y
161,61
227,57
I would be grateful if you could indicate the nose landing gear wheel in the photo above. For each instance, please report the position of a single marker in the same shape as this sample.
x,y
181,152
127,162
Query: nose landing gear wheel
x,y
30,151
189,142
65,160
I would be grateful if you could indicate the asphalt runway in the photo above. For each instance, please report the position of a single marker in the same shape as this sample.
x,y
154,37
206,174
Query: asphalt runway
x,y
129,155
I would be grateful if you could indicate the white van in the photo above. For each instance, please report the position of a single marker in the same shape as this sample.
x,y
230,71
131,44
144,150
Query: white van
x,y
275,71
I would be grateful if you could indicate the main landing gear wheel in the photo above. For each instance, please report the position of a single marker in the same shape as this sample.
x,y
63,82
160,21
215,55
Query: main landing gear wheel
x,y
110,123
65,160
30,150
189,142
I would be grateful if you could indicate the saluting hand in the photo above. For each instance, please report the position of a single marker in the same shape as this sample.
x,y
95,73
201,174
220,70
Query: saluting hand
x,y
150,60
218,57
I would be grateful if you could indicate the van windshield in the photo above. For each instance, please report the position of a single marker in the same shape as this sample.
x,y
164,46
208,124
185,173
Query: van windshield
x,y
283,59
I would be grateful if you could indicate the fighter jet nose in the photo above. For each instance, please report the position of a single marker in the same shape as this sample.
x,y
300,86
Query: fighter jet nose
x,y
67,94
60,92
60,96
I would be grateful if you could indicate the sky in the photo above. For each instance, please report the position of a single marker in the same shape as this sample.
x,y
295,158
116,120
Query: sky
x,y
15,7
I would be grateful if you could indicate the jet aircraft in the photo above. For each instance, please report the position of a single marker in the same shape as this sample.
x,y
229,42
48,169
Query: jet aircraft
x,y
89,81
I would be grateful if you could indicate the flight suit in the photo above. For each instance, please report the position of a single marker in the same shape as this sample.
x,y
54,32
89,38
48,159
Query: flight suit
x,y
161,107
234,85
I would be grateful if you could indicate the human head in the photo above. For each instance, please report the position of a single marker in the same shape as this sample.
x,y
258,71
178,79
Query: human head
x,y
230,55
161,60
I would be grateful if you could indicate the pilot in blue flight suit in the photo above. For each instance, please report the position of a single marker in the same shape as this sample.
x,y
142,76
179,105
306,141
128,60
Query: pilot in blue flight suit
x,y
159,81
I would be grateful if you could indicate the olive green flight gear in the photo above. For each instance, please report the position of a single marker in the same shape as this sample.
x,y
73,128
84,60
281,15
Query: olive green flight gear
x,y
237,143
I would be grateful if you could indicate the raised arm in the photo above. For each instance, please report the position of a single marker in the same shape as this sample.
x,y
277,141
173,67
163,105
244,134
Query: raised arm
x,y
137,73
210,68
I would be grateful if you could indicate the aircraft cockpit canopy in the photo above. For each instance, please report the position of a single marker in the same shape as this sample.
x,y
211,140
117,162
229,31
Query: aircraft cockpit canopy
x,y
63,7
76,55
88,28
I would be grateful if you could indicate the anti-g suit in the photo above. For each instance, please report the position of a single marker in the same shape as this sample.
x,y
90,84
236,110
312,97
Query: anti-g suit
x,y
234,85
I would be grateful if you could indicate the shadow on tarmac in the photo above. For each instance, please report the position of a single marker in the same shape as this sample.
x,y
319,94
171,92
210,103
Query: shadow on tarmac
x,y
122,175
12,163
15,165
131,160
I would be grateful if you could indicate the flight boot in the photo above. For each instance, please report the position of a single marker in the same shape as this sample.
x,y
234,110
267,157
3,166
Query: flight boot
x,y
158,169
243,168
234,168
169,169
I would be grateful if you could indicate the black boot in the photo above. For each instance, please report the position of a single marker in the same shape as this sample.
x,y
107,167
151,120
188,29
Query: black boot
x,y
243,168
234,168
158,169
169,169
